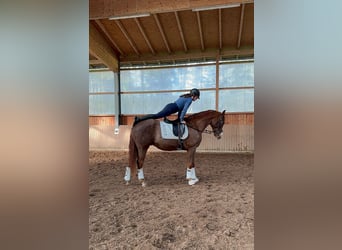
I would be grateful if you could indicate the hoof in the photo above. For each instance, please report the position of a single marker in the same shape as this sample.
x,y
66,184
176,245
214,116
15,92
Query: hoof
x,y
127,182
143,184
193,181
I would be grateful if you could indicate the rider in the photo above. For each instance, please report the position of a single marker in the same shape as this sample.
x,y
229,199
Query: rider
x,y
181,106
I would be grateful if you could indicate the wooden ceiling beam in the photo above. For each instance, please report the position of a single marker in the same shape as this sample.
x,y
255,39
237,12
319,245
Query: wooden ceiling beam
x,y
99,9
100,48
220,28
181,32
241,25
200,29
95,62
190,55
144,35
123,30
101,26
162,33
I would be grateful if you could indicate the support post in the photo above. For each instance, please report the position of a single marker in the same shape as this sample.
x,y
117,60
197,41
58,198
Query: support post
x,y
116,102
217,80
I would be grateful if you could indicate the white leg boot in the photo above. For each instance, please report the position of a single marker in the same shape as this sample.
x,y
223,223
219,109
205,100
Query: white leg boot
x,y
127,177
191,176
141,177
140,174
188,174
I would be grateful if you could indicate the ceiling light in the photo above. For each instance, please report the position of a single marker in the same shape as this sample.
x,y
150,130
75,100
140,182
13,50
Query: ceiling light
x,y
129,16
216,7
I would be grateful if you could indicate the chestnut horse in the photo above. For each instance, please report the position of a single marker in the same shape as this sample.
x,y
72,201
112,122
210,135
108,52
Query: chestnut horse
x,y
147,133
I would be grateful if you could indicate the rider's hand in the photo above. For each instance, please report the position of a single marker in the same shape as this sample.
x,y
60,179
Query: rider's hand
x,y
183,122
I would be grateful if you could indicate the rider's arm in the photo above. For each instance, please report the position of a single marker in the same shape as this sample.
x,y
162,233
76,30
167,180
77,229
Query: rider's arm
x,y
185,109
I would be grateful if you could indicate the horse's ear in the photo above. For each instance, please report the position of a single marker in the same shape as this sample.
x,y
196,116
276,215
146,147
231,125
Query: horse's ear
x,y
224,111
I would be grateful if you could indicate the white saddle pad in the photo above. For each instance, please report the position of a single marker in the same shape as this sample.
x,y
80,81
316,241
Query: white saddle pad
x,y
167,133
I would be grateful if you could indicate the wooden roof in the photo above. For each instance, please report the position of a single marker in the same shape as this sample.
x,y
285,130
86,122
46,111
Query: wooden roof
x,y
168,31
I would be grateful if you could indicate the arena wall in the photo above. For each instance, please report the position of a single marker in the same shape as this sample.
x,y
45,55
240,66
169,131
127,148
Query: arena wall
x,y
238,134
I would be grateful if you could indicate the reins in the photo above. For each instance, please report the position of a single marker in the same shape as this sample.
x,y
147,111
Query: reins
x,y
207,131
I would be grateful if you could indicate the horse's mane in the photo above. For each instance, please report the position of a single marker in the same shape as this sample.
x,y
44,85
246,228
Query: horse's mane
x,y
199,120
199,115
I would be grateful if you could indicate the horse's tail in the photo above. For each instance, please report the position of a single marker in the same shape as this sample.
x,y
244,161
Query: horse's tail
x,y
132,155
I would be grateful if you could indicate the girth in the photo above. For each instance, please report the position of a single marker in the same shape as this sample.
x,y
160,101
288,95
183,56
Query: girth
x,y
178,130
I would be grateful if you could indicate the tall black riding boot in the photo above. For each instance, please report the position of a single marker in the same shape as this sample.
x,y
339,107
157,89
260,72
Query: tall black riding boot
x,y
143,118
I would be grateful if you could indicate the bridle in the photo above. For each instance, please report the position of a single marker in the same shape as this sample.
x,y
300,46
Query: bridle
x,y
207,131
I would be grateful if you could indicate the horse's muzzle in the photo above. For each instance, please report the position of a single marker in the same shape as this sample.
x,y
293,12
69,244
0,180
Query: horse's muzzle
x,y
219,135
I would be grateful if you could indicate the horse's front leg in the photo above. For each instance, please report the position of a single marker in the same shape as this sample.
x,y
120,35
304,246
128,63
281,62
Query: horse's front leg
x,y
190,171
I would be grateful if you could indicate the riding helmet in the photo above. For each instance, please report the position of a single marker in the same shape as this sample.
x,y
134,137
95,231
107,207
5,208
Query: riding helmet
x,y
195,92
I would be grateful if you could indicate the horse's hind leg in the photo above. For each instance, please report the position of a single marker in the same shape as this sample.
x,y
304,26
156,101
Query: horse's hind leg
x,y
140,163
127,177
141,177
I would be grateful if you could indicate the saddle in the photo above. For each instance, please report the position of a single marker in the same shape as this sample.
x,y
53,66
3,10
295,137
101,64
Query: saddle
x,y
177,127
179,130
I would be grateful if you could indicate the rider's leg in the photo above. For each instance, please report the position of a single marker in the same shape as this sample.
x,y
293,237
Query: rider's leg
x,y
167,110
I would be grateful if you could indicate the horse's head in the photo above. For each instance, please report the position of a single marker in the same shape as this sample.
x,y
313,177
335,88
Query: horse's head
x,y
217,125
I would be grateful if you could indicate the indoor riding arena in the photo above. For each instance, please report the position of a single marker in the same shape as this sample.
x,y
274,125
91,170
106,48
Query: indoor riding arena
x,y
143,55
